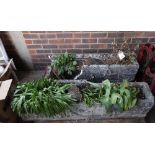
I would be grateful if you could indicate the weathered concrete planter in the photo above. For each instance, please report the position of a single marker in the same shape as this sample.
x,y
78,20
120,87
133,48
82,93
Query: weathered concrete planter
x,y
81,113
115,73
100,71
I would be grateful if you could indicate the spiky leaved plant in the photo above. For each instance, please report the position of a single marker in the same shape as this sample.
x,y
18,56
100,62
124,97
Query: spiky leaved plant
x,y
43,96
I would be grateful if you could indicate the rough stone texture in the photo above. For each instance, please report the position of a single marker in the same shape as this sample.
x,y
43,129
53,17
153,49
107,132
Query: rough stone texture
x,y
115,73
100,72
81,113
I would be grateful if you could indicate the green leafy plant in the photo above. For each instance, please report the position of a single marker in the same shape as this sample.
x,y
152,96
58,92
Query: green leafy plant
x,y
121,97
44,96
64,64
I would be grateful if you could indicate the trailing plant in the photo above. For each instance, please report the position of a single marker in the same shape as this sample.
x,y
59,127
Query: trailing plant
x,y
64,64
121,97
43,96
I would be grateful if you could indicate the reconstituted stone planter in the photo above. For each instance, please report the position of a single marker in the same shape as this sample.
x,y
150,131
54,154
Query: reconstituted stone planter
x,y
81,113
97,72
115,73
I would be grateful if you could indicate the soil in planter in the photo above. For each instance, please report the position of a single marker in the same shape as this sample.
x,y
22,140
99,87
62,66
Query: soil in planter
x,y
108,59
141,94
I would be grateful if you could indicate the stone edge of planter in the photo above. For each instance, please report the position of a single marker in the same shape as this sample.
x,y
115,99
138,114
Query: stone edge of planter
x,y
113,72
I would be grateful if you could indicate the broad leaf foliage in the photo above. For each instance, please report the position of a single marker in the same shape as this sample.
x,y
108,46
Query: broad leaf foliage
x,y
121,96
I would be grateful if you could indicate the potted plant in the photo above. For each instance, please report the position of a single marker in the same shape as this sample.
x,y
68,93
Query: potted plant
x,y
63,66
116,66
42,97
82,101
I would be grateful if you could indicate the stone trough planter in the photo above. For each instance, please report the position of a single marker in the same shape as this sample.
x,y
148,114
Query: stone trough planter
x,y
81,113
94,69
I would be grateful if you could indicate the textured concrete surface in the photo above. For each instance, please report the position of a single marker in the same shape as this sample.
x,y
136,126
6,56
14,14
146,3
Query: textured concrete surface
x,y
115,73
99,70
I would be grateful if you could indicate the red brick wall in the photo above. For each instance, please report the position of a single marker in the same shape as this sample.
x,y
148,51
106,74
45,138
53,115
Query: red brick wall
x,y
43,43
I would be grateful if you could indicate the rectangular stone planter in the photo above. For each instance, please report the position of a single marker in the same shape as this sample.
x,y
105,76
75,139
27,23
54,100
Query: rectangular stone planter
x,y
99,72
81,113
115,73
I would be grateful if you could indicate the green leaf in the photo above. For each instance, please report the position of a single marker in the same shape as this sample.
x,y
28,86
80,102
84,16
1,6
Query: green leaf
x,y
41,97
125,84
116,98
64,64
74,63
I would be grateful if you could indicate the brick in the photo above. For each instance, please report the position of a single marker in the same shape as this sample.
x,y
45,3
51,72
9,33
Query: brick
x,y
46,36
31,36
45,60
82,46
34,46
112,34
56,41
74,50
38,56
89,40
72,40
105,40
120,34
32,52
50,46
56,50
99,35
64,35
43,51
90,50
139,34
81,35
65,46
115,34
150,34
129,34
28,41
40,41
139,40
152,40
98,46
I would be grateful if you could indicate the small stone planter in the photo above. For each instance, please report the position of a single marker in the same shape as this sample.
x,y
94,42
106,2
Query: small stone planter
x,y
115,73
81,113
98,71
